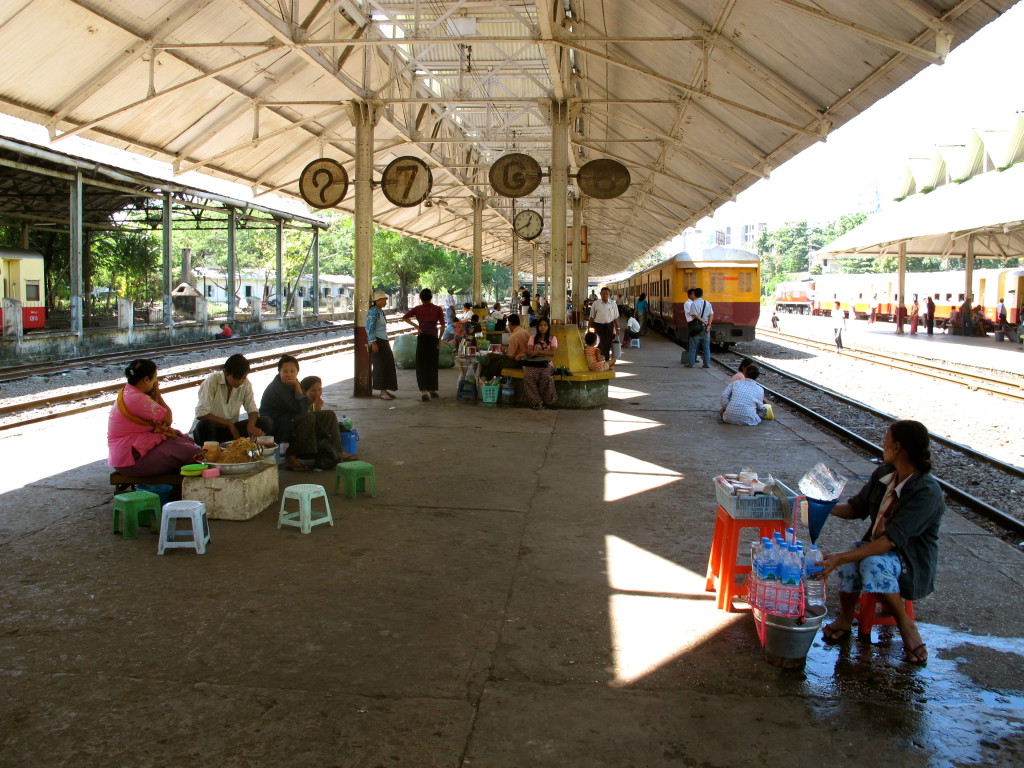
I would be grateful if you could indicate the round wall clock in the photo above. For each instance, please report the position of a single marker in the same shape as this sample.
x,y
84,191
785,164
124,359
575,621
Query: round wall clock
x,y
406,181
323,183
528,224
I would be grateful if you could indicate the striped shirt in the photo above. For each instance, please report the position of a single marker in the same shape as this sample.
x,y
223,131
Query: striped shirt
x,y
741,401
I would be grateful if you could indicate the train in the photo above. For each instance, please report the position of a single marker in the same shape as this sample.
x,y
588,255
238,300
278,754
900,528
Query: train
x,y
22,276
730,278
857,294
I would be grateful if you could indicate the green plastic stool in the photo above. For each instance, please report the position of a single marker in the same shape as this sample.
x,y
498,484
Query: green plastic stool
x,y
356,473
129,506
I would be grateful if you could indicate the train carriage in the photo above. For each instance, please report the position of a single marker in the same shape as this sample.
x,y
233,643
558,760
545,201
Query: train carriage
x,y
730,278
22,278
857,293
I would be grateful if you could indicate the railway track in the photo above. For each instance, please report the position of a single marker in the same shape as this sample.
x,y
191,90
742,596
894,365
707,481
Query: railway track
x,y
92,398
16,372
1003,387
957,466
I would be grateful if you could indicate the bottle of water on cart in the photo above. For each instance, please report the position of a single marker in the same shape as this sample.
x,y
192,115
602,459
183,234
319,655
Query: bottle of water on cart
x,y
814,586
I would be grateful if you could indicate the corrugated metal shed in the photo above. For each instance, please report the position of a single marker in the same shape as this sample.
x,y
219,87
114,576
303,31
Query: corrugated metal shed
x,y
698,98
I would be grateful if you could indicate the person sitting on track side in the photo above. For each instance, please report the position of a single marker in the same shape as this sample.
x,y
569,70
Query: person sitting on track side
x,y
898,555
140,439
743,399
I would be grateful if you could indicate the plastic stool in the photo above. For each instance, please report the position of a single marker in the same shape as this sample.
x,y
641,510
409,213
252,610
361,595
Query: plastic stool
x,y
303,518
722,566
129,505
633,343
356,473
868,615
198,537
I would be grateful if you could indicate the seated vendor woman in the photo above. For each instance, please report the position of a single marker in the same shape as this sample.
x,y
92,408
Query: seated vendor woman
x,y
140,439
514,354
221,395
294,421
897,556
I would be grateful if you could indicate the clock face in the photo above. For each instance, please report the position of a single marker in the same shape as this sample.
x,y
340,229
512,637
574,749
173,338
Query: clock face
x,y
528,224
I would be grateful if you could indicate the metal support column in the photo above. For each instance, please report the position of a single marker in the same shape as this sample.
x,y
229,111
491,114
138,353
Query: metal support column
x,y
969,273
230,280
478,248
76,235
901,284
577,256
555,274
279,267
316,274
515,267
363,115
167,254
24,236
536,248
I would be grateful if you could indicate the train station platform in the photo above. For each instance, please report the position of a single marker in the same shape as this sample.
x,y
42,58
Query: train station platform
x,y
527,589
979,351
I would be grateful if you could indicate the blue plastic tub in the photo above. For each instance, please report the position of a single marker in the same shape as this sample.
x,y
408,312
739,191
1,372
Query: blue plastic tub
x,y
349,441
163,491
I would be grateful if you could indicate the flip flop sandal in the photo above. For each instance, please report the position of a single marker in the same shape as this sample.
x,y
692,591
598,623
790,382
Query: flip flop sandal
x,y
918,656
834,635
387,397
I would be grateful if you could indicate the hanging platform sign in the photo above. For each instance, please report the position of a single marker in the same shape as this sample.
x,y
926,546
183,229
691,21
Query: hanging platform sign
x,y
407,181
515,175
569,243
323,183
603,179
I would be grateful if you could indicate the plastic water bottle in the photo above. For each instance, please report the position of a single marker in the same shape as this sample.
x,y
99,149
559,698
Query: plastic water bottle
x,y
346,423
790,574
769,575
814,588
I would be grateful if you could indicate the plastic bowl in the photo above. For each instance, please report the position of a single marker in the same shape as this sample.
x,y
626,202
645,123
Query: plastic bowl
x,y
193,470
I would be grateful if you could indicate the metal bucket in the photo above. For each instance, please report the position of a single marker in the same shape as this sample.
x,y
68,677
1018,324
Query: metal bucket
x,y
787,639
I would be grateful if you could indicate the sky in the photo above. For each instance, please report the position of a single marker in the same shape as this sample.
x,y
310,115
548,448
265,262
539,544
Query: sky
x,y
979,86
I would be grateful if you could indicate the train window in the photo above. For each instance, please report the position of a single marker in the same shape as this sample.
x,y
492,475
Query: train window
x,y
248,291
746,282
664,286
31,290
717,282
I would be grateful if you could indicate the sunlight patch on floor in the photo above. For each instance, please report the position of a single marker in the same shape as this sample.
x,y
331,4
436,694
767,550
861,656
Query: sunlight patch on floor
x,y
621,393
671,614
618,423
627,475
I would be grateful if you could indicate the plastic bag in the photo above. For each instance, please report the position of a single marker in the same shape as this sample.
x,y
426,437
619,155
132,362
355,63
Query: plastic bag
x,y
822,483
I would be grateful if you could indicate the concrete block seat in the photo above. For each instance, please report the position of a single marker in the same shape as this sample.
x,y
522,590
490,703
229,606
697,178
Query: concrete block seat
x,y
584,388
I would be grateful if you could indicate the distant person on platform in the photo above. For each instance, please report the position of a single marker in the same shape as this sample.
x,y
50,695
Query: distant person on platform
x,y
467,312
1001,317
775,320
643,310
915,316
524,298
604,320
450,302
429,324
929,315
838,325
742,400
225,332
382,359
632,326
221,396
701,310
514,354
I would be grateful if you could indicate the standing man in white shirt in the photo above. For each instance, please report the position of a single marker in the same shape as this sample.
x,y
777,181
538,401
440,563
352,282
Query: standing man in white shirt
x,y
604,319
449,302
703,311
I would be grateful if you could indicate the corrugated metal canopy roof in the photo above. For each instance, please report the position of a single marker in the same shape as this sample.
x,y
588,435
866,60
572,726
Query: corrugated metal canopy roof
x,y
698,98
989,207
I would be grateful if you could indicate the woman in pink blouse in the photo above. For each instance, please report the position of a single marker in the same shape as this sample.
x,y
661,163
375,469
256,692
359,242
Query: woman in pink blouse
x,y
537,370
140,439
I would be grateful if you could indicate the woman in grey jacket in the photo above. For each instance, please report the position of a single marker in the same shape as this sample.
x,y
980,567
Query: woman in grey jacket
x,y
898,554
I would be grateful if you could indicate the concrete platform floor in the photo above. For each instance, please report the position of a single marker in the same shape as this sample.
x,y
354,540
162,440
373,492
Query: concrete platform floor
x,y
526,590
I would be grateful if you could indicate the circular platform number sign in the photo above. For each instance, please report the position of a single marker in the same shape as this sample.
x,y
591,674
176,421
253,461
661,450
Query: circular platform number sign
x,y
603,179
323,183
515,175
406,181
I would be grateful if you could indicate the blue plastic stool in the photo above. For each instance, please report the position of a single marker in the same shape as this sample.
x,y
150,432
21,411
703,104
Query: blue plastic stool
x,y
633,344
356,474
129,506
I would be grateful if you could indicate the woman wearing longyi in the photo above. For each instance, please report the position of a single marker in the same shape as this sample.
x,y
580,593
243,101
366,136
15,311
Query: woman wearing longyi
x,y
898,555
140,439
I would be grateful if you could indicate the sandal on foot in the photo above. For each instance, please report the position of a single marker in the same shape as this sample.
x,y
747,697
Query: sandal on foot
x,y
833,634
386,396
425,398
917,655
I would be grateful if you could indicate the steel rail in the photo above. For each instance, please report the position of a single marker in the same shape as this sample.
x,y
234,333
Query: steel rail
x,y
1002,387
192,378
984,508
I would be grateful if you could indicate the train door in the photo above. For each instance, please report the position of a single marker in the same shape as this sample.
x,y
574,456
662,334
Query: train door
x,y
12,279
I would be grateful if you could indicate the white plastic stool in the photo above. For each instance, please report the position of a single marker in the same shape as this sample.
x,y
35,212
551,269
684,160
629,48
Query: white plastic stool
x,y
303,517
199,536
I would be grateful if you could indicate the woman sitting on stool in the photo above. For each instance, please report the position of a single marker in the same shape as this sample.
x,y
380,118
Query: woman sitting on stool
x,y
899,552
140,439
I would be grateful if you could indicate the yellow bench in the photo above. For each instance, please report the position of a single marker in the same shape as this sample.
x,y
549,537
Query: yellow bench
x,y
584,388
